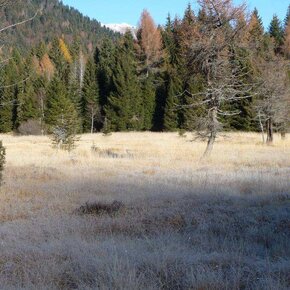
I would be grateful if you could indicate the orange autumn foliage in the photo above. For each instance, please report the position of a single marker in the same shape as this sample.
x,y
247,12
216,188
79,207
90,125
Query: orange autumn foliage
x,y
150,42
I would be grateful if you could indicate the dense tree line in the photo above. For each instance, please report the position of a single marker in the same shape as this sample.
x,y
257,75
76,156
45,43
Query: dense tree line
x,y
161,79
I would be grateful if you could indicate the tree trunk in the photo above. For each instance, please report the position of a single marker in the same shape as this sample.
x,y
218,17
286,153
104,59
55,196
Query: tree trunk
x,y
92,122
262,128
269,126
82,69
283,132
213,132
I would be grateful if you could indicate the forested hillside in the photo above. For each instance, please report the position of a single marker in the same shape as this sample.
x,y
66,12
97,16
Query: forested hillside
x,y
53,19
203,72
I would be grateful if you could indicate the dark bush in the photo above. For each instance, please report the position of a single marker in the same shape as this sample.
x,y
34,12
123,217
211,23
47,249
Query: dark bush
x,y
99,208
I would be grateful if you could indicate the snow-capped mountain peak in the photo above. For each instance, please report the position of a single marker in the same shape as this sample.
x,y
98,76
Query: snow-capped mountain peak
x,y
121,27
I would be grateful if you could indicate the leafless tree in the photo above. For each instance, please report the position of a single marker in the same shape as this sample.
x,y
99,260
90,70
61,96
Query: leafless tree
x,y
273,103
150,41
214,52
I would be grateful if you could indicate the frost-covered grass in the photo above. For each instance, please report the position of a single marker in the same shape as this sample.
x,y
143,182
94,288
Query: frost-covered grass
x,y
184,223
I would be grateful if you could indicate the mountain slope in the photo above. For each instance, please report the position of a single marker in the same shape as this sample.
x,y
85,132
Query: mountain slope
x,y
54,19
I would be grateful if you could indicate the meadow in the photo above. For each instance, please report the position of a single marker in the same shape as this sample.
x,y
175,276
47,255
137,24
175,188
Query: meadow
x,y
144,211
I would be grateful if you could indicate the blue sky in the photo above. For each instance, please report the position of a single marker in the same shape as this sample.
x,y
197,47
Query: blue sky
x,y
119,11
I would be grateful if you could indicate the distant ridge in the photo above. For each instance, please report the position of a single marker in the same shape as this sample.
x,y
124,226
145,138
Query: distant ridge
x,y
54,19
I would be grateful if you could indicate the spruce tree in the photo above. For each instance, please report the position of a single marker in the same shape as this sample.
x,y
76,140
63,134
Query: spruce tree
x,y
243,117
28,108
190,115
90,99
61,63
277,33
8,97
61,115
255,32
105,61
124,109
173,89
27,100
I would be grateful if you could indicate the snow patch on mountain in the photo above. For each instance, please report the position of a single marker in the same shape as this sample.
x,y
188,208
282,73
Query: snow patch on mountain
x,y
121,27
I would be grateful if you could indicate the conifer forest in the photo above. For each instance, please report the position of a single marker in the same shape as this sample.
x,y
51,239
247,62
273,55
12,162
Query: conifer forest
x,y
163,78
157,158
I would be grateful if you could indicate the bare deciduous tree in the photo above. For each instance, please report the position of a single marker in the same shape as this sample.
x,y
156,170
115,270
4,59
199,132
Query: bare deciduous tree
x,y
150,41
214,52
273,104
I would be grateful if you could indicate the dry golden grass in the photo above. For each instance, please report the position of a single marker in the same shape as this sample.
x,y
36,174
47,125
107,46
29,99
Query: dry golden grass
x,y
161,178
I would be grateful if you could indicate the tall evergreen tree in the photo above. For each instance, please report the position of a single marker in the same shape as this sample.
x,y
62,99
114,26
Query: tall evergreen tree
x,y
173,89
59,107
90,99
11,80
105,61
124,109
27,100
57,54
255,32
276,31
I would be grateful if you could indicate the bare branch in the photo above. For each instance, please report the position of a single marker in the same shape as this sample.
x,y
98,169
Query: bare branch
x,y
18,23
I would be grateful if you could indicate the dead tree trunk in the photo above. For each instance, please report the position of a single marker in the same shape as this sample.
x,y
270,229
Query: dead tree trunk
x,y
262,127
269,127
213,127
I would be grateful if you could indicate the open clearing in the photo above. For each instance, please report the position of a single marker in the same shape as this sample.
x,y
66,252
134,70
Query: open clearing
x,y
179,223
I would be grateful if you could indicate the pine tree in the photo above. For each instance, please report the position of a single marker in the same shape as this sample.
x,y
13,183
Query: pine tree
x,y
187,30
173,89
105,61
27,101
27,108
61,115
244,119
124,109
57,54
190,115
277,33
174,66
255,31
40,50
90,99
9,96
